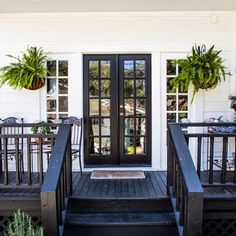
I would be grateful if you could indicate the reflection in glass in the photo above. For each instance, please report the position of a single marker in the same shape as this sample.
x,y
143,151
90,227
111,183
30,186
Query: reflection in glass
x,y
105,107
94,127
93,69
171,103
171,117
182,115
105,126
51,86
63,68
140,88
183,103
94,145
171,67
51,66
94,107
105,88
63,104
129,146
105,146
63,86
105,69
169,87
140,68
93,88
140,106
140,145
129,107
62,117
128,88
51,104
140,126
128,69
51,118
129,126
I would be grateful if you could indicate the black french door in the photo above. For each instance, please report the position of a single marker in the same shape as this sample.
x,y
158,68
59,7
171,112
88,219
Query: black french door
x,y
117,109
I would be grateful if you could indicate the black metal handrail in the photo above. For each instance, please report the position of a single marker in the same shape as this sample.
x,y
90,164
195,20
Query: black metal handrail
x,y
57,185
183,184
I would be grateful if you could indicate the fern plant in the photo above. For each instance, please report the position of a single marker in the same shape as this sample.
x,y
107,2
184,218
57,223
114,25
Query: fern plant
x,y
25,71
202,70
21,225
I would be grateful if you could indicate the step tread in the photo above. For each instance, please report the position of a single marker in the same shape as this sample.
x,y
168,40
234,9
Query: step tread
x,y
106,219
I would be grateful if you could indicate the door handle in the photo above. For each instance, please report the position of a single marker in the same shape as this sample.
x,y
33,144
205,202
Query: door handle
x,y
121,114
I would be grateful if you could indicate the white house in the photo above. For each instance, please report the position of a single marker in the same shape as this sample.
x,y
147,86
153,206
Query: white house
x,y
119,56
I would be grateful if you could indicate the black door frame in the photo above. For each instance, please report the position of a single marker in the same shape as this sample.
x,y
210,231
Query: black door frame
x,y
117,144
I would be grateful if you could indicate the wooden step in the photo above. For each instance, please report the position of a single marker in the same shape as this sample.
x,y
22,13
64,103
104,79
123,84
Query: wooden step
x,y
114,224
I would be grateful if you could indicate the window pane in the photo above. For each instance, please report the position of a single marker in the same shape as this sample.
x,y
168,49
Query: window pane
x,y
182,115
105,107
94,107
105,69
183,103
140,106
105,146
51,66
93,88
51,86
140,68
140,145
129,126
62,117
128,69
140,126
129,107
140,88
63,68
128,88
94,145
93,69
171,67
51,118
169,87
63,104
171,117
51,104
63,86
94,127
171,103
129,146
105,88
105,126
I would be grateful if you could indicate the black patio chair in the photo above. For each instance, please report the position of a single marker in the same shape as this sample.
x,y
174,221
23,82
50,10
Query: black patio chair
x,y
76,137
11,142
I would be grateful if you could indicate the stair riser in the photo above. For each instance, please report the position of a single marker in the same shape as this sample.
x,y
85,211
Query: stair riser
x,y
106,206
165,230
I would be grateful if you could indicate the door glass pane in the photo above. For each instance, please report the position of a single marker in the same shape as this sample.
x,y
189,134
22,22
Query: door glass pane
x,y
183,103
51,86
105,146
171,103
171,67
94,146
105,88
94,127
105,69
93,69
51,104
171,117
140,145
169,87
63,68
63,104
51,118
128,69
140,106
105,107
94,107
129,107
140,68
129,145
182,115
140,126
63,86
128,88
105,127
93,88
129,126
52,68
140,88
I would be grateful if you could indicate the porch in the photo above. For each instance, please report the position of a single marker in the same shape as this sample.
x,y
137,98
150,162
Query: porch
x,y
182,201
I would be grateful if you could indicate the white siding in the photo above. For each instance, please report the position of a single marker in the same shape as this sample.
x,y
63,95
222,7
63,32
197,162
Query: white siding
x,y
72,34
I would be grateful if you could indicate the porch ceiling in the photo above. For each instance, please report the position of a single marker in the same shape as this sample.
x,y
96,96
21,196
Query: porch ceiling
x,y
15,6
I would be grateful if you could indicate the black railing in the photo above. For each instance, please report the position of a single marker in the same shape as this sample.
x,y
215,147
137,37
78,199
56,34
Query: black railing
x,y
57,185
183,184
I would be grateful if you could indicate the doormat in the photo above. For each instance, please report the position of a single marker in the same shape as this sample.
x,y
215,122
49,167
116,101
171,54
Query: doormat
x,y
124,174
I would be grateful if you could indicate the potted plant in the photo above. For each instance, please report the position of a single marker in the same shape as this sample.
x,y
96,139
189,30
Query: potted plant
x,y
204,70
27,72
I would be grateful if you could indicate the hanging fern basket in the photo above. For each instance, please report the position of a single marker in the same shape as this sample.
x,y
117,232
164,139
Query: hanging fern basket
x,y
36,84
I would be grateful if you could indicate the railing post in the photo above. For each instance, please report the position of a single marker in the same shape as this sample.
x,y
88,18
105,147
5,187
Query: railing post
x,y
49,213
69,167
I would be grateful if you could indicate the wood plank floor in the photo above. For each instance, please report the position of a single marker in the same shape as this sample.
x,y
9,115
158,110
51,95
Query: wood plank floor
x,y
153,186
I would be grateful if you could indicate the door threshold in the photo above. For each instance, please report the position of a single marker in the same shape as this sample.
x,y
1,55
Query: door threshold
x,y
89,169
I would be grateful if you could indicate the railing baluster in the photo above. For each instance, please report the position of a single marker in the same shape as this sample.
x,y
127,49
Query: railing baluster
x,y
211,160
181,206
5,161
234,160
17,161
59,205
177,188
224,159
28,143
40,160
199,153
62,191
